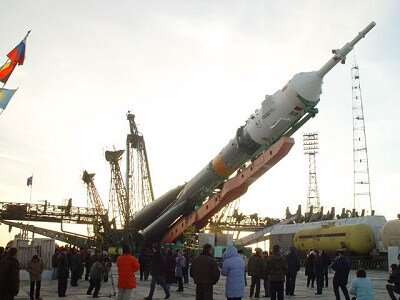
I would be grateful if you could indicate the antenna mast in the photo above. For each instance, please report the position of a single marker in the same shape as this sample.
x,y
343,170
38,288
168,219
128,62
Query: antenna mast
x,y
310,145
362,190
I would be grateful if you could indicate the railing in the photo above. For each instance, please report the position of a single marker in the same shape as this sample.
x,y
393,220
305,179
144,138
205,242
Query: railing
x,y
47,213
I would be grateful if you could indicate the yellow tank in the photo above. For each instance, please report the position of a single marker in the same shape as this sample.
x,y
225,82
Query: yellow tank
x,y
356,238
391,233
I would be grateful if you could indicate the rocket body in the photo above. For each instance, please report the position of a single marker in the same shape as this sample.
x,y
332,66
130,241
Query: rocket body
x,y
276,113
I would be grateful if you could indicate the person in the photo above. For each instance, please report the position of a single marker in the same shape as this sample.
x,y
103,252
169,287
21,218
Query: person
x,y
394,279
361,287
76,267
127,265
35,269
9,275
96,275
54,263
157,265
107,266
62,272
180,264
143,261
319,272
88,263
309,270
256,269
341,266
277,268
233,268
169,269
266,276
293,262
185,269
327,262
205,273
244,257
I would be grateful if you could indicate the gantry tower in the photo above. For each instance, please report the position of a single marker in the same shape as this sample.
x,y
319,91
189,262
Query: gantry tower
x,y
362,189
310,146
94,201
118,205
139,189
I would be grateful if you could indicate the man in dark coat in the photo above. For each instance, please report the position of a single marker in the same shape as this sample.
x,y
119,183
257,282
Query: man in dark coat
x,y
277,268
157,265
310,268
266,276
54,263
62,272
76,267
205,273
394,278
9,275
143,262
169,269
341,266
256,269
319,272
293,262
88,263
327,262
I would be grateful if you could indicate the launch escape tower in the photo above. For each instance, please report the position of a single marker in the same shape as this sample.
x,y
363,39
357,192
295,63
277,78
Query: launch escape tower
x,y
139,189
310,146
362,190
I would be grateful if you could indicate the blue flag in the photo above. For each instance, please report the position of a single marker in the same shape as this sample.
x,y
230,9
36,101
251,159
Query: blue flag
x,y
29,181
5,97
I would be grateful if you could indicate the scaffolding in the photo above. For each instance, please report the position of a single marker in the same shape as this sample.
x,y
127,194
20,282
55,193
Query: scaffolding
x,y
362,189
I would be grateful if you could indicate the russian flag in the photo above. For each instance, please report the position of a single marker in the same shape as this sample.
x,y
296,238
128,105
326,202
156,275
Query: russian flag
x,y
17,55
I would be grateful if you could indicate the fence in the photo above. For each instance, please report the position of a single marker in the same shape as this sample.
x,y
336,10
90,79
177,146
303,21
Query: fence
x,y
44,248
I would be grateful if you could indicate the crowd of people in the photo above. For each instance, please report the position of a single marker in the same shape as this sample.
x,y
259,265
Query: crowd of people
x,y
167,266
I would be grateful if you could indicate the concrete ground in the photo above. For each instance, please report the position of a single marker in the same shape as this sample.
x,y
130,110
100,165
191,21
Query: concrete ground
x,y
49,289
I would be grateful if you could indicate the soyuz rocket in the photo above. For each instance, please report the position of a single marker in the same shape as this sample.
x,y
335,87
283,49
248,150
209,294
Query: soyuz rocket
x,y
278,116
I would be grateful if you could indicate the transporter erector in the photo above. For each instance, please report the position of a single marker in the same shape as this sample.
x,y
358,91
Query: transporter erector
x,y
280,114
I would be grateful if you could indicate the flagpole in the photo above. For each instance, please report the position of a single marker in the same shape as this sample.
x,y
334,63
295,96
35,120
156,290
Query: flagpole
x,y
4,84
30,195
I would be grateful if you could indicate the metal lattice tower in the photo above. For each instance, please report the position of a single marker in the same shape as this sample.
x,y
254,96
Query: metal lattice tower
x,y
139,189
310,146
362,190
117,198
94,200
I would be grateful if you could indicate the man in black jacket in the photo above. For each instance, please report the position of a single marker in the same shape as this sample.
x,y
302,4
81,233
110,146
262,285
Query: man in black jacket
x,y
9,275
205,273
62,272
394,278
76,267
157,265
327,262
293,262
341,266
319,272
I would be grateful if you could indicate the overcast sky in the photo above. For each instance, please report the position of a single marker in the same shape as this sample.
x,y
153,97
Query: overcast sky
x,y
192,72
